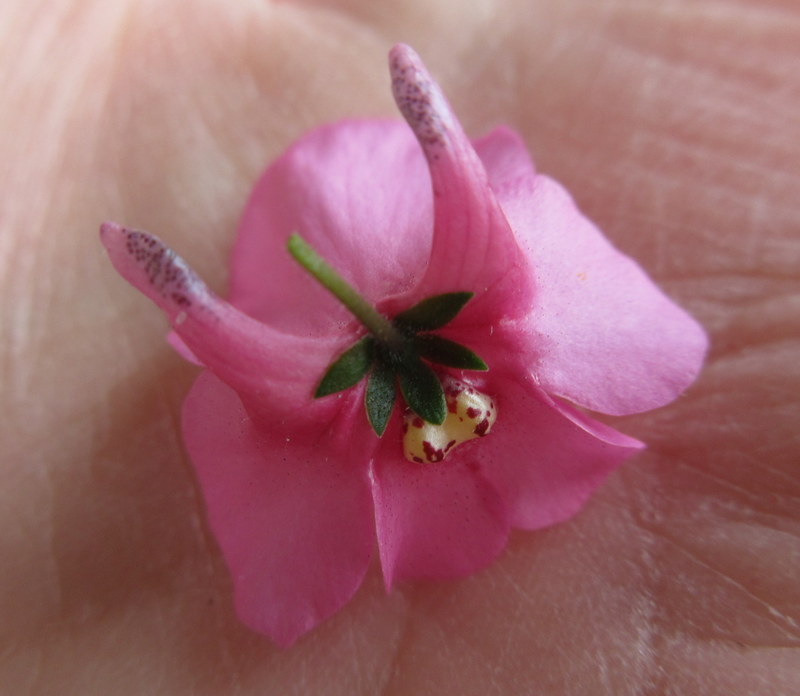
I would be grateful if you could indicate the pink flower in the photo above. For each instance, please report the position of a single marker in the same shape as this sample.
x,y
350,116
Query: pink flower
x,y
298,489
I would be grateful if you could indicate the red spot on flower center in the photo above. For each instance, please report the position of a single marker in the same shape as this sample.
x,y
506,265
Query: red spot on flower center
x,y
482,428
431,453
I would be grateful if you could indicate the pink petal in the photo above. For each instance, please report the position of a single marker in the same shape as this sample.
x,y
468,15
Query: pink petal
x,y
544,458
473,246
293,517
601,333
275,373
359,193
438,521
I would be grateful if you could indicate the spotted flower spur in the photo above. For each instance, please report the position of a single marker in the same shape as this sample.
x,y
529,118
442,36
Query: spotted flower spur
x,y
417,325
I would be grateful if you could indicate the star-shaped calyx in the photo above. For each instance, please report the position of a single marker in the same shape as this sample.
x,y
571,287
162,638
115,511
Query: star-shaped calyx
x,y
396,352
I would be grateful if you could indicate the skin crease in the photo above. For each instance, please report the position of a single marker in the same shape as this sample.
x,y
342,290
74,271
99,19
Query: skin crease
x,y
674,125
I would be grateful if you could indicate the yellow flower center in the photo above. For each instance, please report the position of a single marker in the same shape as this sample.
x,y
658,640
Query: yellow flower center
x,y
470,414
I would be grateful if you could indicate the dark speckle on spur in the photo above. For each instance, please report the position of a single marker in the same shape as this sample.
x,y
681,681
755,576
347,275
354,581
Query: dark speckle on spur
x,y
165,270
415,101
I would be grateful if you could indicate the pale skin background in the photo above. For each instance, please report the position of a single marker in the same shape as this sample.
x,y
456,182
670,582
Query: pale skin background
x,y
675,125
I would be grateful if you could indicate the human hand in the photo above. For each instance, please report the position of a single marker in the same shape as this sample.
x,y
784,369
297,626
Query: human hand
x,y
674,129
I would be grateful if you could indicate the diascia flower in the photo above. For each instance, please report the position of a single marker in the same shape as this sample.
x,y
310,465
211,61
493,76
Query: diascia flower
x,y
457,256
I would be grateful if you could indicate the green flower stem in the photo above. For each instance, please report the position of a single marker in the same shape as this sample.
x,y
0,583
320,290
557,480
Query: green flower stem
x,y
311,261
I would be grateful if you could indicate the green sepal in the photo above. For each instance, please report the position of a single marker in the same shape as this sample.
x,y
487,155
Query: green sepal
x,y
348,369
422,391
433,312
449,353
380,396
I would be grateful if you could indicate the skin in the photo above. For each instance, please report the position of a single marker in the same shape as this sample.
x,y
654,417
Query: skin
x,y
675,126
